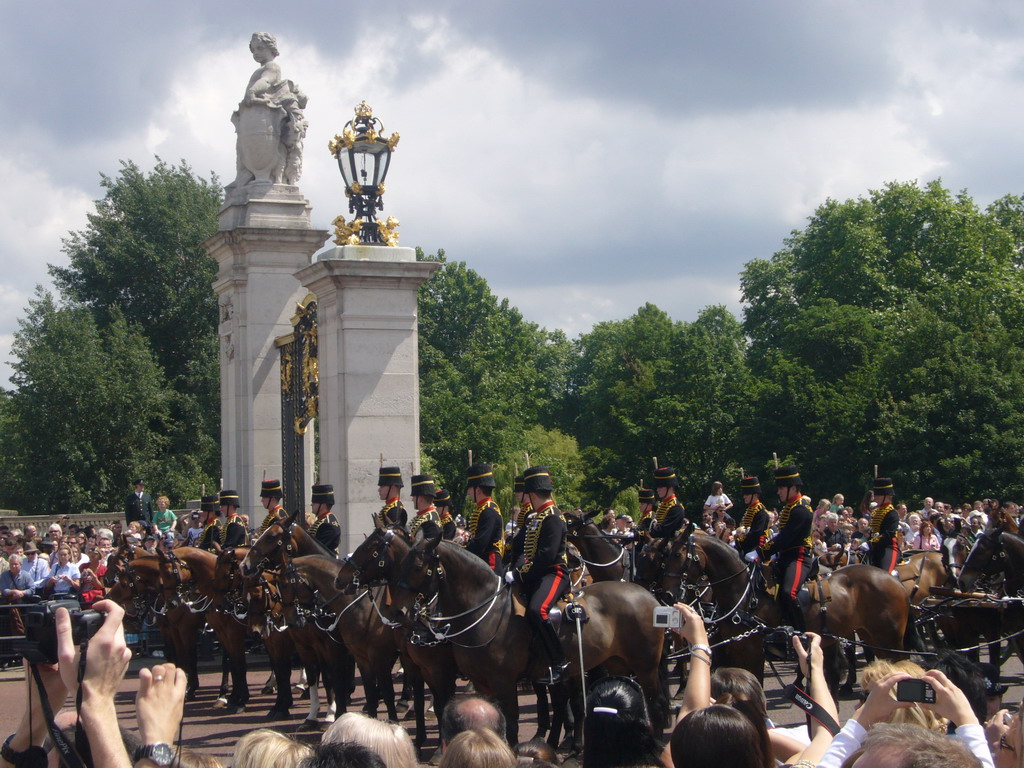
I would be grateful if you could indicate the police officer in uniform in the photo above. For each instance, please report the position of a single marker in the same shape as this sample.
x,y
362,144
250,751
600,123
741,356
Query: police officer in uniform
x,y
389,484
885,525
755,519
325,528
791,546
270,496
670,515
485,527
234,533
542,567
212,528
427,522
443,503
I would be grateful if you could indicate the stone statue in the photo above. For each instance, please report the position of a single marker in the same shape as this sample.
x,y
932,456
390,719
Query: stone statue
x,y
269,122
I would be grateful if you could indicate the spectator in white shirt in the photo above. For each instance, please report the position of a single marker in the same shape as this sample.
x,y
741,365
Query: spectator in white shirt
x,y
64,576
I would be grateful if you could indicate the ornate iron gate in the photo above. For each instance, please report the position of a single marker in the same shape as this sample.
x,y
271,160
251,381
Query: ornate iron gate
x,y
299,392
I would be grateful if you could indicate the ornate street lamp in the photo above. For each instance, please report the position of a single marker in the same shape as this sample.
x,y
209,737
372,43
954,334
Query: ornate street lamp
x,y
364,156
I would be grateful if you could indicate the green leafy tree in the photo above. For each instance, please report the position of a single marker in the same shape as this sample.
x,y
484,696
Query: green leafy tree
x,y
486,374
887,332
141,258
89,408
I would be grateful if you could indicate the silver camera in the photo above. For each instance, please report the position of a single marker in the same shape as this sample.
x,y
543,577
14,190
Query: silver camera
x,y
667,617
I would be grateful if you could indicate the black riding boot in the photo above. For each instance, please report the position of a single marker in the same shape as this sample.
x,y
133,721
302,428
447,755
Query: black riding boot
x,y
793,615
555,654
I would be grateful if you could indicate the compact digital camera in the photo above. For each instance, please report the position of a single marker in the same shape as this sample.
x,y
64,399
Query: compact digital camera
x,y
667,617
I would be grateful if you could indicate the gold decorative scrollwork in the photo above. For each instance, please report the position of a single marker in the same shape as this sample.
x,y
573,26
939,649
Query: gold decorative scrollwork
x,y
388,231
347,234
393,140
364,110
287,365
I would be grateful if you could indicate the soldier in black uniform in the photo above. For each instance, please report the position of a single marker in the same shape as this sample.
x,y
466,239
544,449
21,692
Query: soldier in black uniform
x,y
427,522
389,484
791,546
542,567
485,527
647,505
885,525
670,515
525,514
234,533
270,496
325,528
755,519
443,503
212,528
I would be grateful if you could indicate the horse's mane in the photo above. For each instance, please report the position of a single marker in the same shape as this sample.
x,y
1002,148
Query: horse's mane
x,y
466,557
720,547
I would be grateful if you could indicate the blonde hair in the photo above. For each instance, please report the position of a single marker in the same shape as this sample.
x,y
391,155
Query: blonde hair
x,y
388,740
265,748
479,747
913,715
163,498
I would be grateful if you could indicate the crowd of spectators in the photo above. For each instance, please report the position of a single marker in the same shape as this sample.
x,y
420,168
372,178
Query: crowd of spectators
x,y
723,719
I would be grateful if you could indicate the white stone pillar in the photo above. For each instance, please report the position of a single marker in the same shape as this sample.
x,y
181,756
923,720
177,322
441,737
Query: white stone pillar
x,y
265,237
369,405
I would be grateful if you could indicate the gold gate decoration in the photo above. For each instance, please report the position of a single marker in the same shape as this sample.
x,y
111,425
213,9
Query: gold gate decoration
x,y
299,397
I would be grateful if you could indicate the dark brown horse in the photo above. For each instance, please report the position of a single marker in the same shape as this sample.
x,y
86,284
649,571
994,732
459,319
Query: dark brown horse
x,y
996,564
187,577
448,594
603,555
134,583
858,599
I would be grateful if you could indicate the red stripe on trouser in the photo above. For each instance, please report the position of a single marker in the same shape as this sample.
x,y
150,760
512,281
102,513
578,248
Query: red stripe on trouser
x,y
894,558
492,560
794,588
550,598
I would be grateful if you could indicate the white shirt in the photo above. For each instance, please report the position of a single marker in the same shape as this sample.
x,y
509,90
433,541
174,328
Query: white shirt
x,y
717,501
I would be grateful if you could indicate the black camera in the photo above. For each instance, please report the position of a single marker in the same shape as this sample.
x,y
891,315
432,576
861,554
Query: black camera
x,y
40,643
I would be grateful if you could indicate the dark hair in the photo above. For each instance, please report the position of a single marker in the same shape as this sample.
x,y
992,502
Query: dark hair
x,y
968,677
719,735
618,733
740,690
343,754
538,750
460,715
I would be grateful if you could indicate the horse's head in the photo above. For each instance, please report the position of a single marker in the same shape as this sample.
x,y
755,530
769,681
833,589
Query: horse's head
x,y
266,548
650,559
576,521
419,577
226,583
987,558
372,560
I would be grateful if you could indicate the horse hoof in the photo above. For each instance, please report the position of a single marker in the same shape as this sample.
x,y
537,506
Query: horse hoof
x,y
846,690
236,709
304,696
307,725
277,714
220,703
329,718
267,690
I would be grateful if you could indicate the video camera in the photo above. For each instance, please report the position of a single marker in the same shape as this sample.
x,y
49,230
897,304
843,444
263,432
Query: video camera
x,y
40,643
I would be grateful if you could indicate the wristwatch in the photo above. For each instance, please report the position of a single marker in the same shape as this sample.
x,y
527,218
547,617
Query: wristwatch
x,y
160,753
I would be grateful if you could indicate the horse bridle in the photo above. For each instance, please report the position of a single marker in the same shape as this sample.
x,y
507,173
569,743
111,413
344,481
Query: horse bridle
x,y
376,554
286,535
137,587
184,591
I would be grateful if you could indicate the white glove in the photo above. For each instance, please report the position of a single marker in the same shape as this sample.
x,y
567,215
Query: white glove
x,y
752,556
510,577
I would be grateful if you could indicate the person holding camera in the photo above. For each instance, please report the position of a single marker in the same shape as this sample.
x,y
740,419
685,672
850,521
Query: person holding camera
x,y
64,578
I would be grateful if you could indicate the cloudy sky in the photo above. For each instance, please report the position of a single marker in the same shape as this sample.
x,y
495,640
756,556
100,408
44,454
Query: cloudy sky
x,y
584,157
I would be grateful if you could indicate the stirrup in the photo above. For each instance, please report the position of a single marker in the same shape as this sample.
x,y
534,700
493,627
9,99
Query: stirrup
x,y
556,674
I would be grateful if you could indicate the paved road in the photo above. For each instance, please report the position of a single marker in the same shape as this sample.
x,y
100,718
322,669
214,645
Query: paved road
x,y
211,730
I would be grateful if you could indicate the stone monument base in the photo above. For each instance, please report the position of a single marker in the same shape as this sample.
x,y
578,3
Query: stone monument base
x,y
265,205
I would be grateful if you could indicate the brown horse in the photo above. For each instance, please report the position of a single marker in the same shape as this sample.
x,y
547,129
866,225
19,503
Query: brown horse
x,y
187,576
857,599
134,583
603,555
996,562
448,594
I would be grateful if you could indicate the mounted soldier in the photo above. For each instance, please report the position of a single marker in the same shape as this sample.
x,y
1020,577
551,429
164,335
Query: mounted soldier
x,y
670,515
234,533
792,545
647,505
212,529
427,522
885,526
485,527
443,503
270,496
755,520
325,528
389,484
542,567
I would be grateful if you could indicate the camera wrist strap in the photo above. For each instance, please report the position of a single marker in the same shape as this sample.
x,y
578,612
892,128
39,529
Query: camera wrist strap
x,y
811,708
68,756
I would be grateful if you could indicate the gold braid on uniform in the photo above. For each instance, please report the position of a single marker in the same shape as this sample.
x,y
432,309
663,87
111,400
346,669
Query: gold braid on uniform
x,y
315,526
446,517
420,519
533,534
474,518
748,517
663,508
268,521
383,514
224,528
206,530
877,518
784,518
